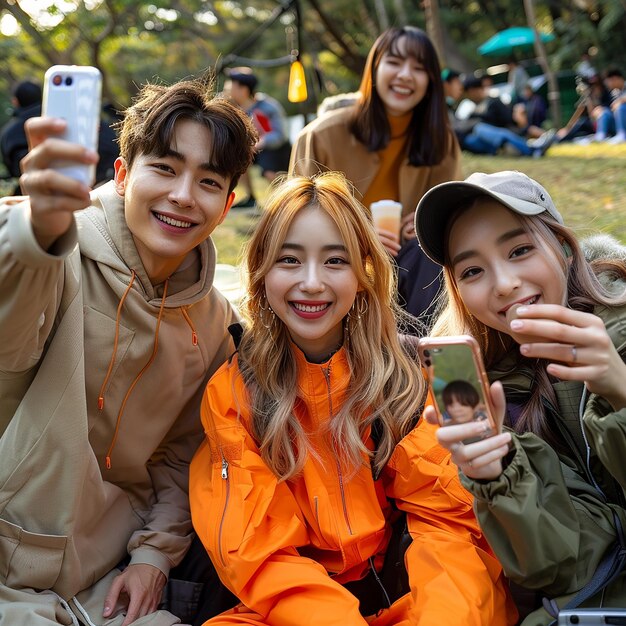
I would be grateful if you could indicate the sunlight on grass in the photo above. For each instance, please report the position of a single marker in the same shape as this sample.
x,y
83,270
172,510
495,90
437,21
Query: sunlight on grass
x,y
587,184
239,223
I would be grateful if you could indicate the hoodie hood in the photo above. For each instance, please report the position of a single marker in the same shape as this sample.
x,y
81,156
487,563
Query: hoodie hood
x,y
105,238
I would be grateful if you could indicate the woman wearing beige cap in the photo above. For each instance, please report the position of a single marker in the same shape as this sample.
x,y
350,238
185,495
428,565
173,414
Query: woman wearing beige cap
x,y
551,321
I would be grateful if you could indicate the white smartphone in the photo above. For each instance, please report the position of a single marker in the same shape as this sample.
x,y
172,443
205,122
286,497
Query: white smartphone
x,y
458,381
73,93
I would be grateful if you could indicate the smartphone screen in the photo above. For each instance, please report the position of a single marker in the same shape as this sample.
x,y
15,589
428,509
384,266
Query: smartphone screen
x,y
72,92
458,381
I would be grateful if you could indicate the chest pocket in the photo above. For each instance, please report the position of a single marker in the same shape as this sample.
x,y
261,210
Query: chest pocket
x,y
29,560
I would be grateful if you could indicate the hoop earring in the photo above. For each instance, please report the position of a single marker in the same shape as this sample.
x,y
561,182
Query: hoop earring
x,y
362,305
357,310
264,310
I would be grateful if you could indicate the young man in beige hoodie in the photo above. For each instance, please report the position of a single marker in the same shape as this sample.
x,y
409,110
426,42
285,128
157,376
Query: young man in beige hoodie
x,y
109,331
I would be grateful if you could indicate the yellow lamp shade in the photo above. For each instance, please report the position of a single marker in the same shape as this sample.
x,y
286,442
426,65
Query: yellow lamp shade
x,y
297,83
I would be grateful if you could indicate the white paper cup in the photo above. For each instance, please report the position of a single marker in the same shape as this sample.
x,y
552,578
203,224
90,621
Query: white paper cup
x,y
386,215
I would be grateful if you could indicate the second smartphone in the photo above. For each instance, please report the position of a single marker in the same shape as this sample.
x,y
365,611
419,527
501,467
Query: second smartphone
x,y
458,381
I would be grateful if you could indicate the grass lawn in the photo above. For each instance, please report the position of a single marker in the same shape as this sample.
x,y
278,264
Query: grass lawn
x,y
587,184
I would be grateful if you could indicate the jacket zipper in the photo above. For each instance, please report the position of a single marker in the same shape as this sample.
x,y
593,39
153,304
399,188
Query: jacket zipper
x,y
343,499
326,372
221,527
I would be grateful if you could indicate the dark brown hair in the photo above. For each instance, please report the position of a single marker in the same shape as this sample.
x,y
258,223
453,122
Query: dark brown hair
x,y
429,129
462,391
148,125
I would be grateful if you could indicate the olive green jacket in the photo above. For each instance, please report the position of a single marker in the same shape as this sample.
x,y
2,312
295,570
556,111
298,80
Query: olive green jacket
x,y
543,516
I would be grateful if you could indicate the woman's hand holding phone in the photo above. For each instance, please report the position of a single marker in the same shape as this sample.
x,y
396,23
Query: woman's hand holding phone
x,y
482,459
468,409
576,344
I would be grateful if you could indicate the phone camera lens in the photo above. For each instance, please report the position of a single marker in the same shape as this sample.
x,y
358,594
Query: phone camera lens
x,y
427,362
69,80
57,79
427,353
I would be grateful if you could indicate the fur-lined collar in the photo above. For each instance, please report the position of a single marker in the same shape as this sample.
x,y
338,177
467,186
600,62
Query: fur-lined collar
x,y
603,246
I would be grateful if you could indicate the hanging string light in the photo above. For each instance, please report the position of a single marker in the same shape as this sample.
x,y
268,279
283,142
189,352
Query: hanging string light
x,y
297,91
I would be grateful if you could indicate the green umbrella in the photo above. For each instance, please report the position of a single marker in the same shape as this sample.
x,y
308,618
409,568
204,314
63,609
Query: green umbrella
x,y
518,38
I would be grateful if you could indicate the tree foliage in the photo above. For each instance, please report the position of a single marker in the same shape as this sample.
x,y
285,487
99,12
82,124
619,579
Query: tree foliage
x,y
132,41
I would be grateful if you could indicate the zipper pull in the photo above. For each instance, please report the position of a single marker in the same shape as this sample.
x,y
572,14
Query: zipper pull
x,y
224,469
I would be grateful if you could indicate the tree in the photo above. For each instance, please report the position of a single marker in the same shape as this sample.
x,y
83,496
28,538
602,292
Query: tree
x,y
132,41
553,89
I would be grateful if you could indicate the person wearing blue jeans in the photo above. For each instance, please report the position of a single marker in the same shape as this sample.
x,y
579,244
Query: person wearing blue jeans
x,y
611,121
488,139
480,137
610,116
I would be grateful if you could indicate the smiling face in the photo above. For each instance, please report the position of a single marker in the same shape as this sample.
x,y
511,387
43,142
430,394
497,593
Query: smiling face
x,y
401,80
498,266
460,413
174,202
312,285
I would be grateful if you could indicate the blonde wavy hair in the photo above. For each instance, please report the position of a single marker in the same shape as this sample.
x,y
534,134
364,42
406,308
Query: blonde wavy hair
x,y
386,383
584,292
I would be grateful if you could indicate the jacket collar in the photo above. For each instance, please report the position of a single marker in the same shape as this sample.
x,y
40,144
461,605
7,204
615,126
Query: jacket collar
x,y
318,380
336,360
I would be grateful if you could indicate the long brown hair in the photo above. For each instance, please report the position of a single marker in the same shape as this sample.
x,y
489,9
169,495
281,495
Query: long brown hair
x,y
386,385
429,130
584,293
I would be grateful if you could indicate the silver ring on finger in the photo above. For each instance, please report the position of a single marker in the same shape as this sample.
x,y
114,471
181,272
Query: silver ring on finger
x,y
574,354
456,446
468,463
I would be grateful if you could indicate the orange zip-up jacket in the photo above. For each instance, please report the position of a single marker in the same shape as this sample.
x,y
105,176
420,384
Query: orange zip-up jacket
x,y
284,548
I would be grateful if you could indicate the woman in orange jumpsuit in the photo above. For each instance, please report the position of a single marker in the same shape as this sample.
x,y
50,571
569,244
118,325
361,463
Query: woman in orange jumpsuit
x,y
315,465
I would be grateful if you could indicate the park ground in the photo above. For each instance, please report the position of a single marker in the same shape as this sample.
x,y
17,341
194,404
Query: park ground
x,y
587,184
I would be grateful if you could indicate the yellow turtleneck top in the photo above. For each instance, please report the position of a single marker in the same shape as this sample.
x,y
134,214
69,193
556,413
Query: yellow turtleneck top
x,y
385,185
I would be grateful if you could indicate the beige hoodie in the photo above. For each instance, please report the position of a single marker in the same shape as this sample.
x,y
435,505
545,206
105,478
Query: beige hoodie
x,y
65,519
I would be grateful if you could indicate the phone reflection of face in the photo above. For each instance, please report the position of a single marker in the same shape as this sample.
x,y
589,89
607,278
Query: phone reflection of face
x,y
460,399
459,413
458,383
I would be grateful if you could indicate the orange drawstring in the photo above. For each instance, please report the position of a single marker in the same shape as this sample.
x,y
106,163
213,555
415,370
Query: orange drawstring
x,y
141,373
117,334
194,336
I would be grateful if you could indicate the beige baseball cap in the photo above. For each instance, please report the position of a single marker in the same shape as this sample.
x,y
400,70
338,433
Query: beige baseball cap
x,y
514,190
